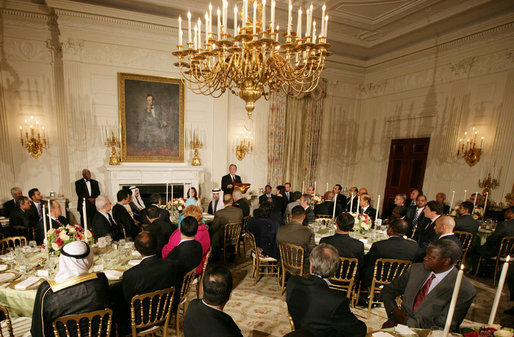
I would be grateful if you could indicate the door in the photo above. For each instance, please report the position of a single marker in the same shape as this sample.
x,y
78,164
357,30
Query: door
x,y
406,169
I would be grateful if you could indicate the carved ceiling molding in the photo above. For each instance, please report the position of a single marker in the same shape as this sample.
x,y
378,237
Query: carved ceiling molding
x,y
72,48
462,68
30,15
373,89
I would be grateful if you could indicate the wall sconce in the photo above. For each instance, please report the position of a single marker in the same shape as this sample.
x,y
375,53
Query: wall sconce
x,y
468,149
244,144
33,138
112,140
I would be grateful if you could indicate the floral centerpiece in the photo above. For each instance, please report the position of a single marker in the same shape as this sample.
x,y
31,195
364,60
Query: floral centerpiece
x,y
317,199
58,237
478,213
176,205
362,222
487,331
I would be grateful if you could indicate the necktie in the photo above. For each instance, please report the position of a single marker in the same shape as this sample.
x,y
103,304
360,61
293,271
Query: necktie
x,y
422,293
415,220
57,220
111,220
40,212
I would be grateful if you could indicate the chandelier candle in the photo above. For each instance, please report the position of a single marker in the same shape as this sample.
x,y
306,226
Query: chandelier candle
x,y
263,15
325,35
255,18
322,19
219,22
299,25
290,19
189,27
272,16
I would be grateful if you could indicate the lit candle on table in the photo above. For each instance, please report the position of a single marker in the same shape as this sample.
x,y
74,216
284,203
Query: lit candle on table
x,y
351,202
303,186
358,203
314,186
44,226
327,186
485,202
475,201
335,204
499,290
453,302
465,192
378,208
451,203
84,217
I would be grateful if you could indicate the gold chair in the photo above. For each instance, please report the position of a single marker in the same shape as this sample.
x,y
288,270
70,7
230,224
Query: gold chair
x,y
231,236
187,284
153,309
8,322
465,240
199,283
291,322
291,258
243,234
100,319
385,271
269,264
506,249
344,280
28,232
12,242
324,216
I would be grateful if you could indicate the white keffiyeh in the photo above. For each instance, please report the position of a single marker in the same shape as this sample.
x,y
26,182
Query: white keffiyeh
x,y
76,258
138,201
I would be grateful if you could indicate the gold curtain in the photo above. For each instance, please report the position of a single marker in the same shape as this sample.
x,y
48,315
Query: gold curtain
x,y
295,129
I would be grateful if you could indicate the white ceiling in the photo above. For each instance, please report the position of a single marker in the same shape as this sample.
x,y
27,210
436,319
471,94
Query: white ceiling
x,y
358,29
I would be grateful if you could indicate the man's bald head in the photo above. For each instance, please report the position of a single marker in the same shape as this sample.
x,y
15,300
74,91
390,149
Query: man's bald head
x,y
329,196
227,199
444,225
145,243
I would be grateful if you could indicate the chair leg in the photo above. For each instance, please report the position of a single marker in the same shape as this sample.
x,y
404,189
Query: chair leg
x,y
283,280
177,320
370,304
478,265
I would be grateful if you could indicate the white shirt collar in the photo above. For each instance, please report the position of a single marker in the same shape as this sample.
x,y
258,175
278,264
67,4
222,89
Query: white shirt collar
x,y
210,306
364,208
185,240
437,279
447,234
145,257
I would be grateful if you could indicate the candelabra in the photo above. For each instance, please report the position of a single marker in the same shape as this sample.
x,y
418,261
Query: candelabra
x,y
112,140
468,150
243,145
252,62
195,143
32,138
488,184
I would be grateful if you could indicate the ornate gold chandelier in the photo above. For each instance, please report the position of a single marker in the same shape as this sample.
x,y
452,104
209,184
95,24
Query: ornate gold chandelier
x,y
252,62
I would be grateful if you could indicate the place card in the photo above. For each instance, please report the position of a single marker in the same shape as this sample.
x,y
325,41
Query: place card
x,y
98,268
26,283
404,330
42,273
134,262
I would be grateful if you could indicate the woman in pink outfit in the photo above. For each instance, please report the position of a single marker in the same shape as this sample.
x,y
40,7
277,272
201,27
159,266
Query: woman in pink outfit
x,y
201,236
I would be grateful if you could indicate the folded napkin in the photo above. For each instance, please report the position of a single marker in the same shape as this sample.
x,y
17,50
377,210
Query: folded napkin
x,y
3,267
134,262
363,240
6,277
367,246
404,330
382,334
23,285
113,274
135,253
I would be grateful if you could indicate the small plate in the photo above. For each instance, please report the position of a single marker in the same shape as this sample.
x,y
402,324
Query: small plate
x,y
13,276
34,286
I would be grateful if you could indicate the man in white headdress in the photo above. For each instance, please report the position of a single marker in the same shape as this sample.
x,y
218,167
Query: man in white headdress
x,y
74,290
217,201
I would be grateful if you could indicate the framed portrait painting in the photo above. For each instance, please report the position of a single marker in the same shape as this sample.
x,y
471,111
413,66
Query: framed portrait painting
x,y
152,118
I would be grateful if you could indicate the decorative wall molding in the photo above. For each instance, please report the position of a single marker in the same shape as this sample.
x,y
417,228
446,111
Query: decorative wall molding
x,y
72,49
372,89
462,68
26,50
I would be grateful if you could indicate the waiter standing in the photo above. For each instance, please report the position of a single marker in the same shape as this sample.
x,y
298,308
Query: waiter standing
x,y
87,188
228,181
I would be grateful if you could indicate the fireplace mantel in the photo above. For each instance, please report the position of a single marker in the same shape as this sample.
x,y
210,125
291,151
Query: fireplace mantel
x,y
151,173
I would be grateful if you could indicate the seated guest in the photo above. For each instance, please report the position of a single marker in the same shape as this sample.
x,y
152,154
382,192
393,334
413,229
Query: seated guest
x,y
240,202
188,253
352,201
280,202
399,212
121,215
315,307
427,291
267,194
136,203
296,233
441,197
265,230
160,230
411,202
10,205
205,317
340,197
464,221
36,208
56,215
327,207
153,273
305,202
229,214
287,193
20,215
365,207
216,203
192,197
103,224
399,200
74,290
164,215
425,233
341,240
444,229
492,245
310,190
395,247
295,201
202,236
416,214
362,191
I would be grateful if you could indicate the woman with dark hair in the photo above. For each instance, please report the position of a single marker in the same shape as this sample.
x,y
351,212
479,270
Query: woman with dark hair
x,y
280,201
265,230
192,197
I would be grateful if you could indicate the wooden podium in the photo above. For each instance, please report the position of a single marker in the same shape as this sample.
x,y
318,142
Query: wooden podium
x,y
242,187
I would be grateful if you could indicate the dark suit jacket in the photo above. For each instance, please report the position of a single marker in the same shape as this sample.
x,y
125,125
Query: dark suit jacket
x,y
451,237
327,208
102,227
227,180
432,311
82,192
466,223
229,214
187,255
33,213
346,246
396,247
504,229
349,204
320,310
425,233
371,212
9,206
446,209
123,218
62,220
21,218
297,234
263,198
214,323
164,216
161,231
242,204
310,217
341,199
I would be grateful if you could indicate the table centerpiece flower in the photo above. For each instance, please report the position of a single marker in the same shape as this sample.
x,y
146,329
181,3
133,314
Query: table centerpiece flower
x,y
317,199
362,222
58,237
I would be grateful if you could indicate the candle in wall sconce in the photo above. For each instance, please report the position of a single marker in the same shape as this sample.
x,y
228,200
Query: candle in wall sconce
x,y
465,192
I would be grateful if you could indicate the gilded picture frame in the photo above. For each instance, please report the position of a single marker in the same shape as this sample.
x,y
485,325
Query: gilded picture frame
x,y
151,110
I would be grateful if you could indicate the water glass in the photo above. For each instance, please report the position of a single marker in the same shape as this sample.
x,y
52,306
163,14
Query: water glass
x,y
32,244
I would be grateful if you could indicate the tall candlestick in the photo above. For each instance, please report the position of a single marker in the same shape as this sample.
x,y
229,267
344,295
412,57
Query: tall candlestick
x,y
499,290
378,208
303,187
189,27
299,25
358,203
453,302
451,203
334,209
84,217
179,31
351,202
465,192
485,202
235,20
322,19
327,187
254,17
475,201
272,16
44,226
314,186
290,18
167,192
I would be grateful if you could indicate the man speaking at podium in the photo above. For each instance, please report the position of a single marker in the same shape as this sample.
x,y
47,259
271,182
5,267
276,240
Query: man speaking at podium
x,y
228,181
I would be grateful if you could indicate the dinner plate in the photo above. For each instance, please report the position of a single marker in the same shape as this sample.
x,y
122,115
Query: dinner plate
x,y
9,276
33,286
